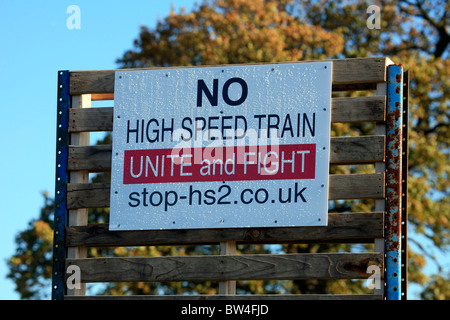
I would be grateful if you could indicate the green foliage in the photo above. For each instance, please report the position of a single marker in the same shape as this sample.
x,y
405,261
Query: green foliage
x,y
437,289
31,265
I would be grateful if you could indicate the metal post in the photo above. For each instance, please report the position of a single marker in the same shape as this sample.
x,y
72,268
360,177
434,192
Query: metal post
x,y
393,181
60,216
405,149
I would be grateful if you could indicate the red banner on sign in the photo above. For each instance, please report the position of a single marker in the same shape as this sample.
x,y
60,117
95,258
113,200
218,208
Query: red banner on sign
x,y
235,163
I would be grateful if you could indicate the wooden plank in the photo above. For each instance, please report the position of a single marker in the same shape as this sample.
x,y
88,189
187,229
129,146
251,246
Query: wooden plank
x,y
356,150
283,297
356,186
342,227
93,158
359,70
102,96
227,248
345,71
343,87
354,87
344,150
93,119
79,216
358,109
352,109
380,204
220,267
88,195
352,186
96,81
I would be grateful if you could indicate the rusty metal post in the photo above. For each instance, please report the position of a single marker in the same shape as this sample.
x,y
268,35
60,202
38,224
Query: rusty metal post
x,y
405,185
394,128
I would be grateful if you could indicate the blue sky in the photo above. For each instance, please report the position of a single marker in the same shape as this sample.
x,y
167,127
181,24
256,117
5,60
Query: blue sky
x,y
35,44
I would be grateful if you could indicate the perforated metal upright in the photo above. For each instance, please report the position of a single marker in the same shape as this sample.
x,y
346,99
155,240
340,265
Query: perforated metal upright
x,y
61,180
405,151
395,174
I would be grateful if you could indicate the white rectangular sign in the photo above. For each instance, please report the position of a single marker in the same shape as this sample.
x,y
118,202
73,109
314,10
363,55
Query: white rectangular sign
x,y
221,147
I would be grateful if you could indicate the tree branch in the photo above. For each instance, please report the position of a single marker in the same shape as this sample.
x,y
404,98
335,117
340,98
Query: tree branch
x,y
438,24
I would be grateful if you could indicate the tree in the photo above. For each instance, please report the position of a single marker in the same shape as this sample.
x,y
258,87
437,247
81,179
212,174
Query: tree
x,y
229,32
31,265
413,32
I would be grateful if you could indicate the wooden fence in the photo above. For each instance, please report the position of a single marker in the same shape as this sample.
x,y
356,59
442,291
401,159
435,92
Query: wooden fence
x,y
75,194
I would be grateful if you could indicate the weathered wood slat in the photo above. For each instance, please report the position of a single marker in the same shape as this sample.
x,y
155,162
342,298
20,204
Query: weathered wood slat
x,y
356,186
357,150
79,217
236,267
345,186
88,195
344,150
358,109
352,109
341,227
93,119
359,70
354,86
93,158
345,71
283,297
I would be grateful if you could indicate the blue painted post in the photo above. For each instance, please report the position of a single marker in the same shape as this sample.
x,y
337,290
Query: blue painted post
x,y
394,128
60,216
